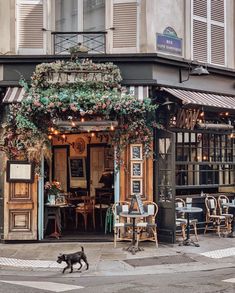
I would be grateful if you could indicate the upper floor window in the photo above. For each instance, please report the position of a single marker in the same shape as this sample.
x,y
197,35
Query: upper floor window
x,y
79,15
208,31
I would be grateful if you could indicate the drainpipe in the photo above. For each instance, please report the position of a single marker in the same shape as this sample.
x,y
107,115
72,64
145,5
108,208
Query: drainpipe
x,y
116,178
41,201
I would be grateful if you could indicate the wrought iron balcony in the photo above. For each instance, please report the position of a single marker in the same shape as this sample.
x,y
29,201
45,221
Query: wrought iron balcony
x,y
71,42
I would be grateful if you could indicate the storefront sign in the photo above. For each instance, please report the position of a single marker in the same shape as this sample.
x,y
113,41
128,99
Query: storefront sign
x,y
169,42
79,76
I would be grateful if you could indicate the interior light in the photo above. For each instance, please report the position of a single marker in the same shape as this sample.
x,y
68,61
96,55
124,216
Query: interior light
x,y
63,136
82,120
112,127
92,134
50,136
56,132
73,123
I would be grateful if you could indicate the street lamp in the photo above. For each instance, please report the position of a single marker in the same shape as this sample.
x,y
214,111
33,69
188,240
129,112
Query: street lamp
x,y
198,70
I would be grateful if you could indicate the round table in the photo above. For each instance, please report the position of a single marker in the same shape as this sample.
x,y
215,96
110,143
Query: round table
x,y
134,215
188,211
232,206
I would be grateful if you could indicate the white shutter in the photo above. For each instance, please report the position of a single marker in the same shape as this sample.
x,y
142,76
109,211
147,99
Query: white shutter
x,y
29,27
217,32
125,25
208,44
200,40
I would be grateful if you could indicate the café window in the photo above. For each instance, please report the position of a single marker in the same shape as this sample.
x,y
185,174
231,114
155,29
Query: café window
x,y
204,159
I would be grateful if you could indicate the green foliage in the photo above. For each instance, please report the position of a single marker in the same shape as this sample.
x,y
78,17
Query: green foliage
x,y
45,103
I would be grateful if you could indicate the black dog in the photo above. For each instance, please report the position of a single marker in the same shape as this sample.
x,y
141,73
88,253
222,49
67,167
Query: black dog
x,y
72,259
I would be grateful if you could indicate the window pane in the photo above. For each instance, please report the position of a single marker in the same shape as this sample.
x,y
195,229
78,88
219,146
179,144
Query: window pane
x,y
93,15
66,15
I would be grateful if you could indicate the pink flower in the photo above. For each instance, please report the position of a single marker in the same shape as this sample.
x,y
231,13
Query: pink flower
x,y
51,105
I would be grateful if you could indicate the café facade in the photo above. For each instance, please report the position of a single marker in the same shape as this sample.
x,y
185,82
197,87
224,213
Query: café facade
x,y
117,125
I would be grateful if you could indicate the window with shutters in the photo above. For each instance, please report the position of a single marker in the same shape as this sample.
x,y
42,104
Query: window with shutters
x,y
29,15
208,31
125,24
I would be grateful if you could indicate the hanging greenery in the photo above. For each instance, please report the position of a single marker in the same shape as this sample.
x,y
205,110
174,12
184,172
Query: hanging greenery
x,y
71,91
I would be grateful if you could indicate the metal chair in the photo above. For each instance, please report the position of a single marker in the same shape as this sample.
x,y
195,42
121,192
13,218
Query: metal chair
x,y
212,215
181,221
223,211
147,227
120,226
102,203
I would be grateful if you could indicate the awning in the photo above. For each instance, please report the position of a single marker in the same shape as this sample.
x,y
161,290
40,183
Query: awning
x,y
14,95
203,99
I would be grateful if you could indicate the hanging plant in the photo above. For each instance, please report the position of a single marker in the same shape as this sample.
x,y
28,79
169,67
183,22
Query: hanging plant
x,y
51,97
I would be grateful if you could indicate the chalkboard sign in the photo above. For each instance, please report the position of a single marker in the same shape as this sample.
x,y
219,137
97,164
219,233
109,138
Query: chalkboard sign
x,y
136,152
136,186
77,167
136,169
136,198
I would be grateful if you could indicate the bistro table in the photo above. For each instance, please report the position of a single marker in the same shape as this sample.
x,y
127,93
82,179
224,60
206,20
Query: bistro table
x,y
188,211
232,206
133,215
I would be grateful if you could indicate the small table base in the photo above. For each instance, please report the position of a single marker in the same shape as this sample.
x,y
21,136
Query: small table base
x,y
133,249
188,242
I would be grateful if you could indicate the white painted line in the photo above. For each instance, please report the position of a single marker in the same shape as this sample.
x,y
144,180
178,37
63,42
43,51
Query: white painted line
x,y
50,286
230,280
220,253
14,262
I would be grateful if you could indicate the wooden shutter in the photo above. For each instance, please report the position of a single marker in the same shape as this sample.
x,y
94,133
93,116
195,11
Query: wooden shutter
x,y
29,26
217,32
125,24
200,42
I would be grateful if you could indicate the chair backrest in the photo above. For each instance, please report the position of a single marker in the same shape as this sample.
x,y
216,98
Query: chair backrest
x,y
221,200
211,205
119,207
179,203
151,208
89,203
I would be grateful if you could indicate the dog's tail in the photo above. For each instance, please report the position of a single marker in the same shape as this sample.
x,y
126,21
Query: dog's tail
x,y
82,248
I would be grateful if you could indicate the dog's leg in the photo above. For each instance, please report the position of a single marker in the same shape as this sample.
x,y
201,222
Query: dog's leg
x,y
80,265
71,270
86,262
65,268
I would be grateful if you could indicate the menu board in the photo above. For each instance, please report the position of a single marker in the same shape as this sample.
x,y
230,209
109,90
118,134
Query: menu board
x,y
136,152
136,198
77,167
136,168
136,186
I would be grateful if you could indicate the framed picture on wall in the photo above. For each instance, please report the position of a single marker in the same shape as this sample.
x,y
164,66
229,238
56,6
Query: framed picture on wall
x,y
77,167
136,152
136,186
20,171
136,169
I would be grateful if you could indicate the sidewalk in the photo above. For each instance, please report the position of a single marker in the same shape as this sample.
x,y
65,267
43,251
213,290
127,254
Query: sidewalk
x,y
214,252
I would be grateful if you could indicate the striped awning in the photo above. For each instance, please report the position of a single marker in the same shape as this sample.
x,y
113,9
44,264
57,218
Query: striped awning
x,y
14,95
203,99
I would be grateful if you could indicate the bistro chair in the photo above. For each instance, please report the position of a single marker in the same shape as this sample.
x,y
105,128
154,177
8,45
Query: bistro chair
x,y
223,211
147,227
102,203
87,207
212,216
181,221
120,226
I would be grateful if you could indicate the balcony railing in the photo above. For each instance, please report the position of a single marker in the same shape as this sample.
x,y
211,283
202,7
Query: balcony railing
x,y
94,42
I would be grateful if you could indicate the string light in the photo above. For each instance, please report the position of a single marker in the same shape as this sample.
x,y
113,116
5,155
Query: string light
x,y
112,127
52,129
82,120
50,137
92,134
56,132
73,123
63,136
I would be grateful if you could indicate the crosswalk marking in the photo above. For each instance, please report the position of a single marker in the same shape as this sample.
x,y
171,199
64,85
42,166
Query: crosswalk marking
x,y
50,286
230,280
220,253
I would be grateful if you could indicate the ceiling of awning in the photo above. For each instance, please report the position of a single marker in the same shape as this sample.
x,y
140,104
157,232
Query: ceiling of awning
x,y
202,99
14,95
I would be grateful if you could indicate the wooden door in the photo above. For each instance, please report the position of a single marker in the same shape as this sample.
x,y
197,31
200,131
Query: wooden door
x,y
60,168
96,168
20,211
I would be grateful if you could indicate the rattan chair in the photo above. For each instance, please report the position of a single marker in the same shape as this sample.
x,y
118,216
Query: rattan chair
x,y
87,207
212,216
121,227
147,227
223,211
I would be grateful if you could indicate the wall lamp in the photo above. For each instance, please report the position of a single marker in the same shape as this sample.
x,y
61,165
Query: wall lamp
x,y
198,70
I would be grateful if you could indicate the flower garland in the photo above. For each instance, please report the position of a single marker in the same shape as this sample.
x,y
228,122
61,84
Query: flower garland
x,y
44,103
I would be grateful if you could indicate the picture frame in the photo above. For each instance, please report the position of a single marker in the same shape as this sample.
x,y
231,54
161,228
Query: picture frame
x,y
137,186
136,151
136,169
77,168
20,171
